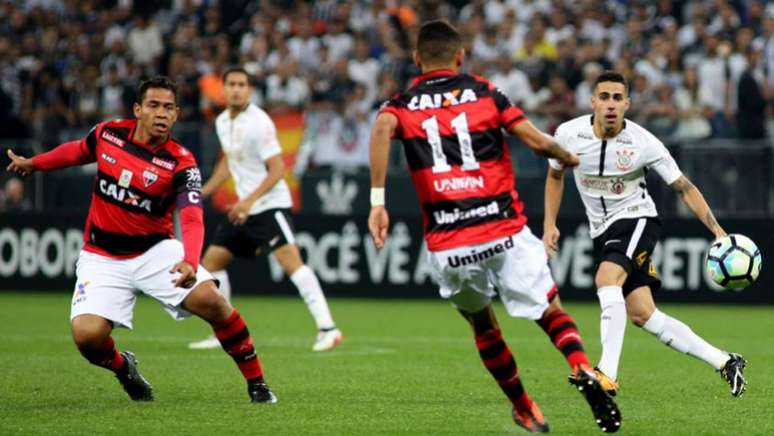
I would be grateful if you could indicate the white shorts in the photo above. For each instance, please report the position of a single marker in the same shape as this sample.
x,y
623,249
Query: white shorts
x,y
516,266
108,287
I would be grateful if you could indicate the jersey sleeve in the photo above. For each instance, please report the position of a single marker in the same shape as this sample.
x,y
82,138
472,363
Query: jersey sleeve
x,y
510,115
392,106
68,154
659,159
268,145
187,184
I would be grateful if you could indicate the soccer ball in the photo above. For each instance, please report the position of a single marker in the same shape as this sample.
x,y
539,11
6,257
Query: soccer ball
x,y
734,262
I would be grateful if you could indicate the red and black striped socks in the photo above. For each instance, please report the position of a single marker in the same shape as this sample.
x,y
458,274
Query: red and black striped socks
x,y
106,355
237,342
499,361
561,328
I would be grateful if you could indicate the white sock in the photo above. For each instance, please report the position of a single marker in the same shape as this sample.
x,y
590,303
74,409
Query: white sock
x,y
679,336
310,290
612,326
225,284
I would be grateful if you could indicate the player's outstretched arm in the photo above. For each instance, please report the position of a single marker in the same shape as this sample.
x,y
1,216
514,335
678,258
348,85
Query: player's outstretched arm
x,y
378,219
542,143
218,177
695,201
553,201
64,155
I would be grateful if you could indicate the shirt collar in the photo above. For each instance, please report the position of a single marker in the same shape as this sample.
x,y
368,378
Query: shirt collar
x,y
445,72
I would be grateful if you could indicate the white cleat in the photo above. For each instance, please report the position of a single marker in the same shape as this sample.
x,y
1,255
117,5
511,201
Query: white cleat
x,y
206,344
327,340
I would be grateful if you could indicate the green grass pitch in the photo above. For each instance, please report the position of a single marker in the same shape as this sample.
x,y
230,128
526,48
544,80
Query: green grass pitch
x,y
405,367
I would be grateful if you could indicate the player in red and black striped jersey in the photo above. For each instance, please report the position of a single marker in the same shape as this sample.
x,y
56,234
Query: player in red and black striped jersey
x,y
452,127
142,176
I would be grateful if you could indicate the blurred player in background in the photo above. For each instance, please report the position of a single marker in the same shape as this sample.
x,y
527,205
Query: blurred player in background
x,y
450,125
261,220
615,156
142,175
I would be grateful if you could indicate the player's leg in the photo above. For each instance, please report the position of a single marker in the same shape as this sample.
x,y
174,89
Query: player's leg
x,y
499,361
305,280
229,327
104,298
151,275
527,290
677,335
216,258
609,280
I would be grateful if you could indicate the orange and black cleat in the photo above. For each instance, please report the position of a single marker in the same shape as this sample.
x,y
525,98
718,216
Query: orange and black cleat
x,y
531,420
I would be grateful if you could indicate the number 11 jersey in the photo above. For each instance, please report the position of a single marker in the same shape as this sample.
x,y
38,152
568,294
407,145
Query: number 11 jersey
x,y
451,127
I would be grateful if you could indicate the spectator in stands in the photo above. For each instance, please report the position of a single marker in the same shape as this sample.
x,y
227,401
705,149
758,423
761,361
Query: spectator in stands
x,y
12,197
751,113
692,124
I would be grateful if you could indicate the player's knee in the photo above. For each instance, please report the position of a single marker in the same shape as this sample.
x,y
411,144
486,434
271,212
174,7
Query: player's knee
x,y
639,317
87,336
211,305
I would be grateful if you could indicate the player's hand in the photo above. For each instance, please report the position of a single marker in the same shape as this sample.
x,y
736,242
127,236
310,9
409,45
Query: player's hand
x,y
551,240
20,165
238,214
378,223
571,160
187,274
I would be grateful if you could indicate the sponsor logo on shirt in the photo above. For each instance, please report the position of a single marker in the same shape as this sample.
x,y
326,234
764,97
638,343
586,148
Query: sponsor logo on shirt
x,y
457,215
458,184
584,135
193,179
113,139
438,100
123,195
163,163
616,185
126,178
110,159
478,256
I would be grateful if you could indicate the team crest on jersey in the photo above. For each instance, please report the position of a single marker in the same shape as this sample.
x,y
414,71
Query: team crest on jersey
x,y
438,100
149,177
625,159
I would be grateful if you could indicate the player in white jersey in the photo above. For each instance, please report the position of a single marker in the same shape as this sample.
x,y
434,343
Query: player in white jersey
x,y
615,155
260,221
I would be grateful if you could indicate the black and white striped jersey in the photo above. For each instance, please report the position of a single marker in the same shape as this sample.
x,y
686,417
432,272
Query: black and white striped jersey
x,y
611,174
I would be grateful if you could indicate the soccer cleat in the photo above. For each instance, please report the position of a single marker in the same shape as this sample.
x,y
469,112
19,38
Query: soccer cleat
x,y
733,373
205,344
605,411
327,339
608,384
531,420
260,393
133,382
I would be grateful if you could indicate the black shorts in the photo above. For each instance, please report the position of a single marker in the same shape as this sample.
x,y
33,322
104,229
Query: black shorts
x,y
261,232
630,243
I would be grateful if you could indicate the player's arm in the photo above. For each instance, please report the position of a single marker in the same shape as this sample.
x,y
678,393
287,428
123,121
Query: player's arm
x,y
187,184
542,143
275,170
218,177
695,201
381,133
553,200
64,155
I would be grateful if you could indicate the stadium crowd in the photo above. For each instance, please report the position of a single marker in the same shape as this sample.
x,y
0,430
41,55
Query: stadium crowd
x,y
697,69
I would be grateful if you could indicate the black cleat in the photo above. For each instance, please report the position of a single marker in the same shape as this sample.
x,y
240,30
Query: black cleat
x,y
133,382
733,373
260,393
605,411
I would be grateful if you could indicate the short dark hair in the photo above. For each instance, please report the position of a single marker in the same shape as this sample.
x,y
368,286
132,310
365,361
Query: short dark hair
x,y
611,76
438,41
236,69
163,82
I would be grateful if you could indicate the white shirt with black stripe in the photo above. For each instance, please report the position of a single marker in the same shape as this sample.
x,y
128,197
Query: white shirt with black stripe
x,y
611,174
249,140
